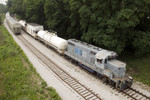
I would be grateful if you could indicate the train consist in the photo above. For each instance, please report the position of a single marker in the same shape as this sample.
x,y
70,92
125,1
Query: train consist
x,y
13,24
49,38
92,58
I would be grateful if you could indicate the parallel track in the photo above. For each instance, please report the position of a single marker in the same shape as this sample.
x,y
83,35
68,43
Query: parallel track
x,y
81,89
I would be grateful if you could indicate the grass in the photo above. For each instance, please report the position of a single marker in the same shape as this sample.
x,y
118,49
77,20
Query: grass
x,y
18,79
138,67
2,16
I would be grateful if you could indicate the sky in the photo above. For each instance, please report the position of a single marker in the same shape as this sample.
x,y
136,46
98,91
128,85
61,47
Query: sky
x,y
3,1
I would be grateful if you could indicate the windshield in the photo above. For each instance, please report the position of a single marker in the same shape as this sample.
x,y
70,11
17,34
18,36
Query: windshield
x,y
99,61
112,58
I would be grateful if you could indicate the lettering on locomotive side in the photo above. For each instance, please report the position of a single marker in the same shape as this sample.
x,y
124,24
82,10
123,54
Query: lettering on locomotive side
x,y
78,51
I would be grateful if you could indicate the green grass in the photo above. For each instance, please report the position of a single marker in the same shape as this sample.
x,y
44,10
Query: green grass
x,y
2,16
138,67
18,79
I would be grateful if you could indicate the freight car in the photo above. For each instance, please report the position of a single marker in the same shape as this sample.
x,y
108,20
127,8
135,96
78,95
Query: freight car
x,y
31,28
92,58
49,38
13,24
52,40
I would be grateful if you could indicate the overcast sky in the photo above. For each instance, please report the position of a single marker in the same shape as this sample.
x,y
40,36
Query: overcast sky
x,y
3,1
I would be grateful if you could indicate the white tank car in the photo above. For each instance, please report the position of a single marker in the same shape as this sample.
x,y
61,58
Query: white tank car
x,y
53,40
31,28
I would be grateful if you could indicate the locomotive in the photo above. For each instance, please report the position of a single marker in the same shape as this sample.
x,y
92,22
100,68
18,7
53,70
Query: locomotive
x,y
92,58
101,61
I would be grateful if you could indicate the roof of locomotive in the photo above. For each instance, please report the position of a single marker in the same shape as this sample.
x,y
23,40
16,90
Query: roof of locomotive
x,y
99,52
85,45
34,24
105,54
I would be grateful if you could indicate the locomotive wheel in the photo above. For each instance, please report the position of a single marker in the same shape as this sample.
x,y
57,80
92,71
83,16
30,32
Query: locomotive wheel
x,y
104,79
112,83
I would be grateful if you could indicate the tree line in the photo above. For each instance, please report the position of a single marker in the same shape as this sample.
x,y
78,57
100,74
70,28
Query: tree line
x,y
3,9
118,25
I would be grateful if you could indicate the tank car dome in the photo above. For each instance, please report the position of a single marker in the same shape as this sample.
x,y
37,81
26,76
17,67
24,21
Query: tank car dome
x,y
22,22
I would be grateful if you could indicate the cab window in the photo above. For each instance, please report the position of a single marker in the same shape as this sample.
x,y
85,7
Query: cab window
x,y
99,61
34,31
105,60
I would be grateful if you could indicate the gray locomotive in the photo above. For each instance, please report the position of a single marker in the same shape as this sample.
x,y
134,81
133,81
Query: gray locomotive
x,y
13,24
101,61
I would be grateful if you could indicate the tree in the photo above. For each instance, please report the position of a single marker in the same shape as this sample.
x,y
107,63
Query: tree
x,y
57,13
16,6
118,25
74,28
3,8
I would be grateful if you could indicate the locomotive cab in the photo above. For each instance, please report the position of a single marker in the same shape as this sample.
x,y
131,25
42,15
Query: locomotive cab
x,y
99,62
113,69
102,58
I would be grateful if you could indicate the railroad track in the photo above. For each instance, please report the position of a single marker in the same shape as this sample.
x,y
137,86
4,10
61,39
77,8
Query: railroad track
x,y
81,89
135,95
130,93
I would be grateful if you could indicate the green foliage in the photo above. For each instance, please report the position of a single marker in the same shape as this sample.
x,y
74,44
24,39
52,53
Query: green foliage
x,y
2,17
34,11
56,12
53,93
141,42
73,30
18,78
138,67
0,20
43,84
111,24
3,8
